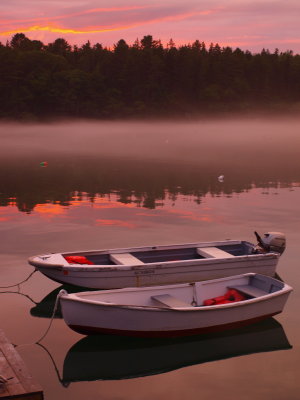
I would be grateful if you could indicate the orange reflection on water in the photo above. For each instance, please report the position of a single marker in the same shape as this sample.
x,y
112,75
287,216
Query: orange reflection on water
x,y
198,215
103,205
8,213
109,201
115,222
50,210
112,204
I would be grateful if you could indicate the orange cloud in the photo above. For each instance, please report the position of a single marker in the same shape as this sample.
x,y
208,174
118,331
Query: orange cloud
x,y
98,29
54,29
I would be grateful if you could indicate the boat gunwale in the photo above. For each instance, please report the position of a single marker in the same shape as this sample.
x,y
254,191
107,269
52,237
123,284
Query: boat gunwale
x,y
141,248
95,267
160,247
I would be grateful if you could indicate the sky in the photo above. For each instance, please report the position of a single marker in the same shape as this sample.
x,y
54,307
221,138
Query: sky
x,y
247,24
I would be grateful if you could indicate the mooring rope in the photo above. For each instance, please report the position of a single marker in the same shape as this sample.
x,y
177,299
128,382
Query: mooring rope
x,y
17,284
65,384
52,316
22,294
50,323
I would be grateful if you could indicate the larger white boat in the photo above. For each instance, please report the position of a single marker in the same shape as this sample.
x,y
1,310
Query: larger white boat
x,y
176,310
160,265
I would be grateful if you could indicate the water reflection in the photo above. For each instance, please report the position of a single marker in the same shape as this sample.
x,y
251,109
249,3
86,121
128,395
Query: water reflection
x,y
27,186
105,357
144,164
44,308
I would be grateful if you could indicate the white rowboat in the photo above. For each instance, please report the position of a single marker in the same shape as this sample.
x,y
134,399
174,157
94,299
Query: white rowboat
x,y
174,310
160,265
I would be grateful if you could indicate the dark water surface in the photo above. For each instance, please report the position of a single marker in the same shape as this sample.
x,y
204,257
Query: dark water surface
x,y
132,184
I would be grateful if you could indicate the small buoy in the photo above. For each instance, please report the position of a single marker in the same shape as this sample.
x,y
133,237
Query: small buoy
x,y
221,178
44,164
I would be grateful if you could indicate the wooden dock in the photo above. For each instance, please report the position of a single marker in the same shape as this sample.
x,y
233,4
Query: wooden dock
x,y
20,384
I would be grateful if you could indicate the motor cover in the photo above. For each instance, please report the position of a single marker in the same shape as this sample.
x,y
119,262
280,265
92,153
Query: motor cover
x,y
274,241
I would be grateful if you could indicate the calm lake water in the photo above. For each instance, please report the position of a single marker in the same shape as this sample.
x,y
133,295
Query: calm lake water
x,y
113,184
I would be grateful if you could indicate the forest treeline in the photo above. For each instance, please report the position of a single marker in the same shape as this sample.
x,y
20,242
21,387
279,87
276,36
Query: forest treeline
x,y
143,79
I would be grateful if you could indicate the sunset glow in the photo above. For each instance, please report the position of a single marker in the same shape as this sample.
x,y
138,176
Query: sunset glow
x,y
249,25
56,29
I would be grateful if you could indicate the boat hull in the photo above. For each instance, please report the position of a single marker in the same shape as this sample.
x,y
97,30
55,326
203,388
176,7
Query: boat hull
x,y
152,274
91,330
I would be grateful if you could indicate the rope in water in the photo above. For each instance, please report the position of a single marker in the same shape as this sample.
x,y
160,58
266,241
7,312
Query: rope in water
x,y
21,294
50,323
52,318
17,284
65,384
3,380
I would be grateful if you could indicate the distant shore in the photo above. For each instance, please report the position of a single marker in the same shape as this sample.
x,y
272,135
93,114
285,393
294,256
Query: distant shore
x,y
142,81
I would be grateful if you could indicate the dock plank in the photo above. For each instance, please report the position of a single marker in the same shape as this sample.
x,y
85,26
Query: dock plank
x,y
21,384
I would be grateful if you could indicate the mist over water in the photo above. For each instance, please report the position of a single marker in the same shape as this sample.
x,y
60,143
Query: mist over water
x,y
145,159
180,141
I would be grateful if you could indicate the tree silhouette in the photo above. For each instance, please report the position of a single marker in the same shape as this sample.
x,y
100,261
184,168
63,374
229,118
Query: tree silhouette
x,y
142,79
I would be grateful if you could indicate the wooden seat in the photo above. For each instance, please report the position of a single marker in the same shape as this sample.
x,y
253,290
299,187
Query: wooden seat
x,y
125,259
249,290
169,301
213,252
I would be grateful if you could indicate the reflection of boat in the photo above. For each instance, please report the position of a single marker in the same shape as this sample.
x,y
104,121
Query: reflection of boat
x,y
113,357
176,310
157,265
44,308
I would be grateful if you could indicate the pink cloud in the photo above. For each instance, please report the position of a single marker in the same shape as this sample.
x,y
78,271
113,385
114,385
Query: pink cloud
x,y
233,22
117,22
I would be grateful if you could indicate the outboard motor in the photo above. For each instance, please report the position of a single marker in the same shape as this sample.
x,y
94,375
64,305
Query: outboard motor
x,y
272,241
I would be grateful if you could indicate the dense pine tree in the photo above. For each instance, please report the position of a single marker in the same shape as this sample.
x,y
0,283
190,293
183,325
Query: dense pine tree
x,y
142,79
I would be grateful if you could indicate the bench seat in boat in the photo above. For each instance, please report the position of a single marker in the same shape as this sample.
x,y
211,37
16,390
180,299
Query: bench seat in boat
x,y
125,259
169,301
213,252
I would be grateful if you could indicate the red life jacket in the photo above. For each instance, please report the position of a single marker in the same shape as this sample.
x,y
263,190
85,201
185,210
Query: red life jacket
x,y
231,296
78,260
